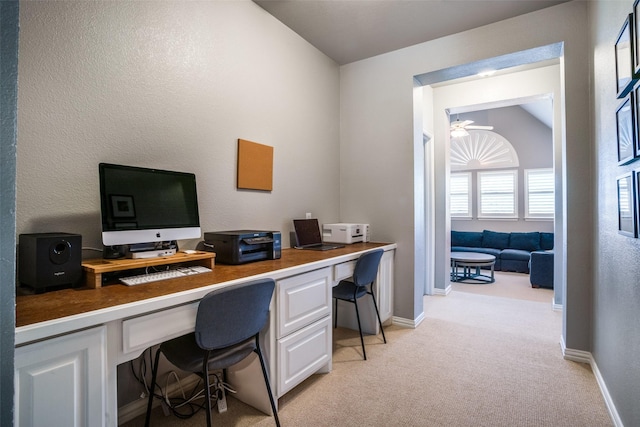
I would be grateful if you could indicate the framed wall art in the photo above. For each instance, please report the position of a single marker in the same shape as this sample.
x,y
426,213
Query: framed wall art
x,y
626,129
625,71
636,42
627,212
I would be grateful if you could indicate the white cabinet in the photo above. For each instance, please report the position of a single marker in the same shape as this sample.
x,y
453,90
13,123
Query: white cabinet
x,y
60,382
303,327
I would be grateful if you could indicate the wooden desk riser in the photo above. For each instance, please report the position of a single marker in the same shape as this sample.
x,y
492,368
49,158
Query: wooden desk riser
x,y
95,268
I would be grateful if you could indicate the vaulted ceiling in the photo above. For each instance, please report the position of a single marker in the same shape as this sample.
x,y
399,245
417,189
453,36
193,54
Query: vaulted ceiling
x,y
351,30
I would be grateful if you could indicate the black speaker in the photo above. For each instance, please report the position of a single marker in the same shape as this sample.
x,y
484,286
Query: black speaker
x,y
48,260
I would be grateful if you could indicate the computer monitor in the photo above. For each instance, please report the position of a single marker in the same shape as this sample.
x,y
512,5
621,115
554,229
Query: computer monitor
x,y
140,205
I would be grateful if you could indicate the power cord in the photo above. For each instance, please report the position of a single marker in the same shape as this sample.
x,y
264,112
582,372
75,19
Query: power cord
x,y
185,406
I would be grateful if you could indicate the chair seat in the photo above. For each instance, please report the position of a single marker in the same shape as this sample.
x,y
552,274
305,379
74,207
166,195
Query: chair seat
x,y
345,288
185,353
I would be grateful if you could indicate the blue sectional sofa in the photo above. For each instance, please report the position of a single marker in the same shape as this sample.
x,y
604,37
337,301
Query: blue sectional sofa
x,y
541,269
512,250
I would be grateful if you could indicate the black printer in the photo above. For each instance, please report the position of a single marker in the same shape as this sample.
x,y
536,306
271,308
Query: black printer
x,y
242,246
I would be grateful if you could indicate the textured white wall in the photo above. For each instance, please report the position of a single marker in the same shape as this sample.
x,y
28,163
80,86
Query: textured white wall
x,y
171,85
377,145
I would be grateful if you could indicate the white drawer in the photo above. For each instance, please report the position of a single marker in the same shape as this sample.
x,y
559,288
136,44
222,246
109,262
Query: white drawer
x,y
343,270
303,299
303,353
144,331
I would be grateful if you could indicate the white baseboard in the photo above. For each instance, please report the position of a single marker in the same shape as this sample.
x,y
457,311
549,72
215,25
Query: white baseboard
x,y
446,291
139,407
586,357
408,323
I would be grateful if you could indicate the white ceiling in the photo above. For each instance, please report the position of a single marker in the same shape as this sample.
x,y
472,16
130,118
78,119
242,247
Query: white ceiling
x,y
351,30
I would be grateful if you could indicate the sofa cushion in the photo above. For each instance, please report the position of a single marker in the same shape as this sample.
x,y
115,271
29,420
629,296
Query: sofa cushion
x,y
525,241
494,239
515,254
515,265
471,239
546,241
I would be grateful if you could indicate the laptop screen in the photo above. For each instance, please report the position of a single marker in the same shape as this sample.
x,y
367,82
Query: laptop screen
x,y
307,231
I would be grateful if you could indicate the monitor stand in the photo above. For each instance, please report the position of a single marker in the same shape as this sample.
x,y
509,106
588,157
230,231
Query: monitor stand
x,y
95,270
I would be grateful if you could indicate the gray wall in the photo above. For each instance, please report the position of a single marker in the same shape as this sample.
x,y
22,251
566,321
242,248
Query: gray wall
x,y
533,142
172,85
8,87
616,287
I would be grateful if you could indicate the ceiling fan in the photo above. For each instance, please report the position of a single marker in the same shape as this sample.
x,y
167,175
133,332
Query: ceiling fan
x,y
460,127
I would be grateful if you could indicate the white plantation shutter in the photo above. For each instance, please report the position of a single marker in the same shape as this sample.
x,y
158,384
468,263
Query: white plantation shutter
x,y
539,198
497,194
460,195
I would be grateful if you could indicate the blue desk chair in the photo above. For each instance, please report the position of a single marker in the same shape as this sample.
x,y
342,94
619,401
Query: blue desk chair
x,y
364,274
228,325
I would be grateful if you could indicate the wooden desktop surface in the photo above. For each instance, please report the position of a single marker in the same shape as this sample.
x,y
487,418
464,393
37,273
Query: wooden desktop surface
x,y
31,309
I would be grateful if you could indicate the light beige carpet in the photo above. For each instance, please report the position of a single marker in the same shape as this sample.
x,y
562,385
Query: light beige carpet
x,y
477,359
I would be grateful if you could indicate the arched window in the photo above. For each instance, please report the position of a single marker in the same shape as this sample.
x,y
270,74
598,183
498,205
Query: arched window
x,y
482,149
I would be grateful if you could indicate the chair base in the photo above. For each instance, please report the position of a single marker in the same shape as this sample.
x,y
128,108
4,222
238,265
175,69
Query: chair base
x,y
354,302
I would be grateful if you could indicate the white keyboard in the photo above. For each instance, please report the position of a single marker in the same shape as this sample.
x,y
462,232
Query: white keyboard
x,y
162,275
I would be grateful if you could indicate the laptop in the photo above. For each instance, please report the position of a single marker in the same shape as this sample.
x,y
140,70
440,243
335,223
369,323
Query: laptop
x,y
309,237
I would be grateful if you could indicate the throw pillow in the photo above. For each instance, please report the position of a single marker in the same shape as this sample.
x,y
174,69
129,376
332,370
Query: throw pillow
x,y
546,241
494,239
525,241
469,239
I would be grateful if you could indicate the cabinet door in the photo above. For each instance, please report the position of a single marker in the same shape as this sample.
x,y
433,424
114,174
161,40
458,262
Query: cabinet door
x,y
303,353
303,299
61,381
385,286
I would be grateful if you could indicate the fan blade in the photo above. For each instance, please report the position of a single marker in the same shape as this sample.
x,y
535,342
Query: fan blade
x,y
480,127
458,124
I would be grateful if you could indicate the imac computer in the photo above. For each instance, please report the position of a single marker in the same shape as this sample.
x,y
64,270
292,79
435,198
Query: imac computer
x,y
145,209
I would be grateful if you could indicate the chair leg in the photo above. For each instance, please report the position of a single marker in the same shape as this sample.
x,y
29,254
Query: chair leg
x,y
153,388
375,305
266,382
364,353
207,388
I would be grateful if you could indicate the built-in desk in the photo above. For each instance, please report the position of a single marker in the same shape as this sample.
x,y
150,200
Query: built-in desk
x,y
69,342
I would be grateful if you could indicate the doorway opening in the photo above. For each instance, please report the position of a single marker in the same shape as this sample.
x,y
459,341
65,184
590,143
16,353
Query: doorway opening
x,y
535,74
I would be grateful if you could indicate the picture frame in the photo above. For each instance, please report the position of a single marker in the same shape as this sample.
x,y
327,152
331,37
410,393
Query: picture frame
x,y
635,100
624,53
122,206
636,182
626,134
636,42
627,209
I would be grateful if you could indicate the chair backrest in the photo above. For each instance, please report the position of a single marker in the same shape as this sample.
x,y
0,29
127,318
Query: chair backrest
x,y
367,267
230,315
